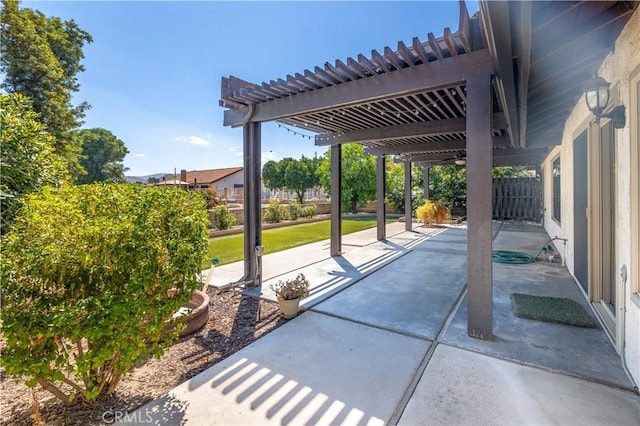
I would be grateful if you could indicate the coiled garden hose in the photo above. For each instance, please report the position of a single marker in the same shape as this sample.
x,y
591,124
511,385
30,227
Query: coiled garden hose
x,y
518,257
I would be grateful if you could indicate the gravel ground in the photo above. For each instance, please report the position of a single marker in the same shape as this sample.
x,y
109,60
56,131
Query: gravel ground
x,y
234,322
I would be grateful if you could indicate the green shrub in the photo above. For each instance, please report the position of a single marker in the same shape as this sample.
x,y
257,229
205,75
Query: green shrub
x,y
432,211
223,217
294,210
275,212
86,272
309,211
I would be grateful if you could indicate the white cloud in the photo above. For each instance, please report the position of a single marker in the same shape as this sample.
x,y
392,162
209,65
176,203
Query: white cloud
x,y
234,148
139,155
194,140
270,155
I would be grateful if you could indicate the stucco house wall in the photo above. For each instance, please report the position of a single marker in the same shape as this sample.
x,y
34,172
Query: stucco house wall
x,y
229,181
617,69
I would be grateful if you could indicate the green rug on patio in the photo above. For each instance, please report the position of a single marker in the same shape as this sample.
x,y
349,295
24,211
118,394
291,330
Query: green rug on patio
x,y
550,309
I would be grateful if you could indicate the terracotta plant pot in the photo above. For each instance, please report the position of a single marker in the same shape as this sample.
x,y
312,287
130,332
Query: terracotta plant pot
x,y
289,308
195,314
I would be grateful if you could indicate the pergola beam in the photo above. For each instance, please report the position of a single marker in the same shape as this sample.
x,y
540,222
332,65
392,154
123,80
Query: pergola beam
x,y
380,134
430,76
496,20
423,128
516,153
424,147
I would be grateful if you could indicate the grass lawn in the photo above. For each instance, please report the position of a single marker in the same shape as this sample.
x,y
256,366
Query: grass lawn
x,y
230,248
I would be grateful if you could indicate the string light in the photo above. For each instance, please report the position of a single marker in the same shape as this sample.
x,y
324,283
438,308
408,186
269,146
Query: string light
x,y
295,132
328,136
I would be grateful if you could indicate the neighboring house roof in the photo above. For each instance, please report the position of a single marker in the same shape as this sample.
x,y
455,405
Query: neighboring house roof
x,y
211,175
172,182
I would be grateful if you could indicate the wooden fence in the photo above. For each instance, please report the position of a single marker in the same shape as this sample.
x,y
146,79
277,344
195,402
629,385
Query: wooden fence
x,y
517,199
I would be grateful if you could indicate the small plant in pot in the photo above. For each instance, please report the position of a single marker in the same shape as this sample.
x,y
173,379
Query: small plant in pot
x,y
289,293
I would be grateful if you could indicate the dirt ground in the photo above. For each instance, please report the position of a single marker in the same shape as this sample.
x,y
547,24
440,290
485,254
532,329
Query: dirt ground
x,y
234,322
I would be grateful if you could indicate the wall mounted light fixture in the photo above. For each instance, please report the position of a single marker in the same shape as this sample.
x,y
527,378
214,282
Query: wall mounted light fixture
x,y
596,93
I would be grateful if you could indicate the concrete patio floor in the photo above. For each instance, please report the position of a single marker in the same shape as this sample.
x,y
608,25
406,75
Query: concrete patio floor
x,y
383,341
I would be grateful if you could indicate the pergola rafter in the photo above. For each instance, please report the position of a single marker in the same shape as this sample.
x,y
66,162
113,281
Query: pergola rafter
x,y
441,74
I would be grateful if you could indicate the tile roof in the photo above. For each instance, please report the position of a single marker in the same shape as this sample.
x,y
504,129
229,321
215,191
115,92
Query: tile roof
x,y
211,175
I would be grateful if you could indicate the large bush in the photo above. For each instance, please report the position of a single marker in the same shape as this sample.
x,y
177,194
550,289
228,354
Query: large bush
x,y
86,271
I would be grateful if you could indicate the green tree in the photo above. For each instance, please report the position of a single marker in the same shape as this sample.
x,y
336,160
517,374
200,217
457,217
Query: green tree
x,y
87,272
272,175
358,176
295,175
449,184
28,157
102,155
40,58
395,185
300,175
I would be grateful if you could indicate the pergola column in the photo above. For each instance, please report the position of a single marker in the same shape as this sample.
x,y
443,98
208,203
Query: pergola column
x,y
336,200
479,245
407,196
252,204
380,191
425,186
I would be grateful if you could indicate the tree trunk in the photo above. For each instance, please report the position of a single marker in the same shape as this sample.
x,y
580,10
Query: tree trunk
x,y
354,205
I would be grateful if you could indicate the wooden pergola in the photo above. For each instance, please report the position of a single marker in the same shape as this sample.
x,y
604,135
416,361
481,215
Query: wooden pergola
x,y
475,92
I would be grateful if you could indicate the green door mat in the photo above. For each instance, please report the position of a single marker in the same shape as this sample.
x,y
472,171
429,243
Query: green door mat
x,y
550,309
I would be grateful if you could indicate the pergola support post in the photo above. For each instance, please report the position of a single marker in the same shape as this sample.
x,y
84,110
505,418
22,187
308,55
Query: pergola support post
x,y
380,192
407,196
479,212
336,197
252,205
425,186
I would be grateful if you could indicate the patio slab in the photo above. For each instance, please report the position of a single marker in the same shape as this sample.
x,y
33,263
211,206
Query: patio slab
x,y
467,388
405,296
583,352
315,369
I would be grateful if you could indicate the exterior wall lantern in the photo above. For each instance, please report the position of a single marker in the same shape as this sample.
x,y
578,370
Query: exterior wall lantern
x,y
597,97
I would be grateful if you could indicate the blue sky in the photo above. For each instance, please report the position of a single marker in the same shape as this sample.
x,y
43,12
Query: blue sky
x,y
153,71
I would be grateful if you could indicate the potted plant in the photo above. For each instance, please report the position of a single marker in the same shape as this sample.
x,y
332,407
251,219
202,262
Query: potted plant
x,y
289,293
